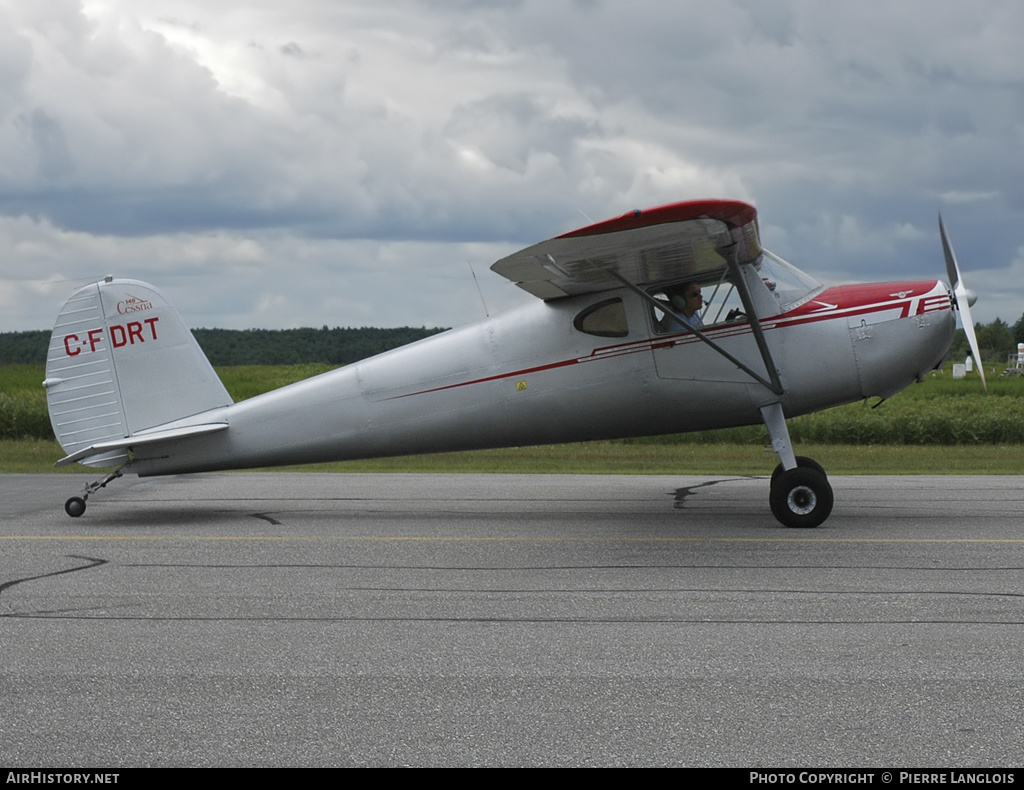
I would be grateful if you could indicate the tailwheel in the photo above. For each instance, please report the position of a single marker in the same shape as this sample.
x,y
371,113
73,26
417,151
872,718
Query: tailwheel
x,y
75,506
801,497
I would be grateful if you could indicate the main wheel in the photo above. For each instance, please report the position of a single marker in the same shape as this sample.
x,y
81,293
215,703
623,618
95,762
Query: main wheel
x,y
75,506
801,497
807,463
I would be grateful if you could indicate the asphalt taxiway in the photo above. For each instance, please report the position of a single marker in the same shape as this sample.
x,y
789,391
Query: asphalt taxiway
x,y
303,619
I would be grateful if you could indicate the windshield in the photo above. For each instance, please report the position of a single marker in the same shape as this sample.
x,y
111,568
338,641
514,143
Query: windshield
x,y
790,286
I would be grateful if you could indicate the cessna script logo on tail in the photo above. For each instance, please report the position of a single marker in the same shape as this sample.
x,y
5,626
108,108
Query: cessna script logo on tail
x,y
133,304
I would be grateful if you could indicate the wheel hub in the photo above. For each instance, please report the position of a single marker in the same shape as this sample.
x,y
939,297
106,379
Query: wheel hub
x,y
801,500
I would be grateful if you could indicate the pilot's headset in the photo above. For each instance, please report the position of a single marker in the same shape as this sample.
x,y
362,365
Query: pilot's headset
x,y
678,300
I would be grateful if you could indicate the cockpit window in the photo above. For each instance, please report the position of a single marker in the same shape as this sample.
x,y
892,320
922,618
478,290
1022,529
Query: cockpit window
x,y
790,286
604,319
720,304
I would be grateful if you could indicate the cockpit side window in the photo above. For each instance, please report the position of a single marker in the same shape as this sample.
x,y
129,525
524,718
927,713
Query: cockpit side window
x,y
720,304
604,319
782,287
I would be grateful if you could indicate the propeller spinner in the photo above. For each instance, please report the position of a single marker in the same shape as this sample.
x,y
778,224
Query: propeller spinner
x,y
962,300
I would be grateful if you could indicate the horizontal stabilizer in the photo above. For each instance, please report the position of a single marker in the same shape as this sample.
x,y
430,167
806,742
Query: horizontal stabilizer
x,y
102,448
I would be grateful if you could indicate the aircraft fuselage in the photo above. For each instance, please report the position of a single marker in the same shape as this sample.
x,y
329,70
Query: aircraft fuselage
x,y
532,377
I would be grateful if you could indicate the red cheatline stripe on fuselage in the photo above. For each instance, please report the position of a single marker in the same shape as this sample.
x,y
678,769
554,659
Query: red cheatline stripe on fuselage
x,y
927,303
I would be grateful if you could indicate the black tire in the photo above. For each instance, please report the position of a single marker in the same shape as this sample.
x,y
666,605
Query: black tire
x,y
75,506
801,498
801,461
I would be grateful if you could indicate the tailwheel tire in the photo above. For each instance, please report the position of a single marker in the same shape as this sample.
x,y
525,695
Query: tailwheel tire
x,y
801,460
75,506
801,497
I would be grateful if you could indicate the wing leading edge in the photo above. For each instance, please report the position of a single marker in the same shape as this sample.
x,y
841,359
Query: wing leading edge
x,y
673,242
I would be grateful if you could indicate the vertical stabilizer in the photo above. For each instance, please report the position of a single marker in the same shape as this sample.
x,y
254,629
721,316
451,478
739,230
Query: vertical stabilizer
x,y
121,361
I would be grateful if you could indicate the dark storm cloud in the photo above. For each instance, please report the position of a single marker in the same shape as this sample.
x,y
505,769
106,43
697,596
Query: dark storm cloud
x,y
343,141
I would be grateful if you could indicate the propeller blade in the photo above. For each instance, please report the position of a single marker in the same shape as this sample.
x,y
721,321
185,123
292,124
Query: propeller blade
x,y
962,299
968,322
952,270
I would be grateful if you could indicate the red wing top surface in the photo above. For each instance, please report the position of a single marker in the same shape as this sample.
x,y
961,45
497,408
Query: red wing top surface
x,y
674,242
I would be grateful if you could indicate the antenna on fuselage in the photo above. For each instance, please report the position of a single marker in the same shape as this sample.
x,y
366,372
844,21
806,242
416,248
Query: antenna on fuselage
x,y
487,312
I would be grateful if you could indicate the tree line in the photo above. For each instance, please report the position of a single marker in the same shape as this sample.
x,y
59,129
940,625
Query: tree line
x,y
996,341
227,347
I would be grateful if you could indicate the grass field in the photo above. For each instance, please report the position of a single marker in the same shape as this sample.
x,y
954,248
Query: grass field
x,y
939,426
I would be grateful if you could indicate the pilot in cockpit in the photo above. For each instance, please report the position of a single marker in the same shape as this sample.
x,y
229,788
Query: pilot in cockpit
x,y
686,300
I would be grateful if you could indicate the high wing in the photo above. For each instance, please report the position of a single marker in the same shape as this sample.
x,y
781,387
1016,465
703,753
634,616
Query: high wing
x,y
673,242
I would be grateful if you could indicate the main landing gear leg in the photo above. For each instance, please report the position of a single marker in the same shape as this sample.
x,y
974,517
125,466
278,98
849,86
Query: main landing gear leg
x,y
800,492
75,506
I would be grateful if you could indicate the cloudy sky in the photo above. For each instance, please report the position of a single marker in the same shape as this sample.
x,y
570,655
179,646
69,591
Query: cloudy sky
x,y
351,163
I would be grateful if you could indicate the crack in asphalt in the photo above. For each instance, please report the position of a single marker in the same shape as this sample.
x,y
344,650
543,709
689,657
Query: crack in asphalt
x,y
680,494
267,518
93,562
512,619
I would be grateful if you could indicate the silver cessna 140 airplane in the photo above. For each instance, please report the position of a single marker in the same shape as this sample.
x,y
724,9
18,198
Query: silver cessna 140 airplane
x,y
616,345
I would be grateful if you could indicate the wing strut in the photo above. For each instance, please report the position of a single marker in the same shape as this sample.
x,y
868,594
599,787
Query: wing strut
x,y
729,253
775,385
